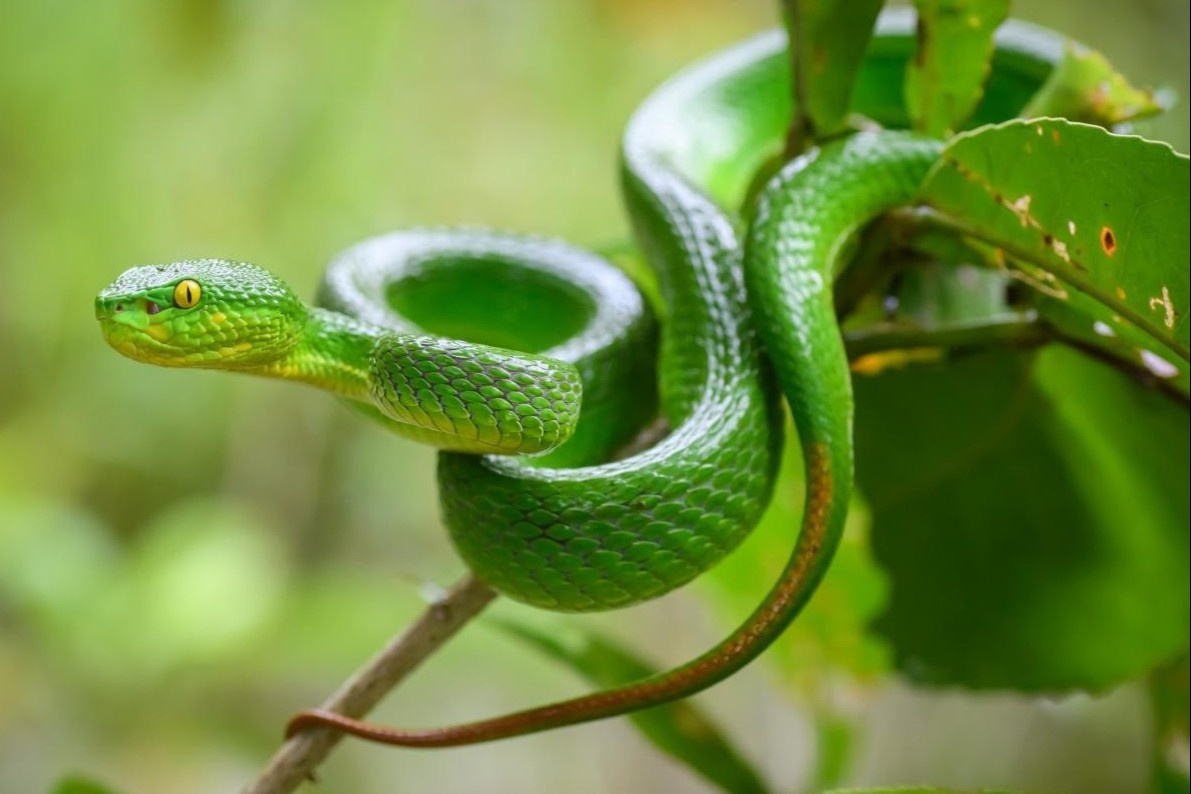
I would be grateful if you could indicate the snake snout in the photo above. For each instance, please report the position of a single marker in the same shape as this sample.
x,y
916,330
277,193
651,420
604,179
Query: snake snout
x,y
119,310
108,308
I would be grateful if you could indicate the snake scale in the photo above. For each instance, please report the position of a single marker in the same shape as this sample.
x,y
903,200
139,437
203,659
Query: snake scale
x,y
747,307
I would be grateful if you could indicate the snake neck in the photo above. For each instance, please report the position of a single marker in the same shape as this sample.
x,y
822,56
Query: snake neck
x,y
332,354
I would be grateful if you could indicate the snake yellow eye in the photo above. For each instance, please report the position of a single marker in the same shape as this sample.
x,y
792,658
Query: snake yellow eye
x,y
187,293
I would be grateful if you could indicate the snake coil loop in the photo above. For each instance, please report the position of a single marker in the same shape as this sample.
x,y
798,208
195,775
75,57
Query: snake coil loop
x,y
573,529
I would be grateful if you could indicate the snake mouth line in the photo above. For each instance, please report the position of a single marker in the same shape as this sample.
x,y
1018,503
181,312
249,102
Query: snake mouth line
x,y
138,345
151,344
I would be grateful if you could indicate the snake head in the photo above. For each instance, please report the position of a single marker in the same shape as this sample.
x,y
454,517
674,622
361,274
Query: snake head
x,y
201,313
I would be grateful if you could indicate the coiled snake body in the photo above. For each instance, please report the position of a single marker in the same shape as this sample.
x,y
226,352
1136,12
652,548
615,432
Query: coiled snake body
x,y
575,529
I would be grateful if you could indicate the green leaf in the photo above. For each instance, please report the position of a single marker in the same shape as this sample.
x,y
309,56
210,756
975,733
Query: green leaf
x,y
1085,87
830,636
680,729
967,295
1032,513
77,784
1015,78
914,790
835,747
1082,209
828,42
830,639
1082,321
945,80
932,298
1169,693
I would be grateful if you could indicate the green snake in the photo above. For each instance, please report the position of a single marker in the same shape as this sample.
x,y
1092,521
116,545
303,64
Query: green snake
x,y
540,505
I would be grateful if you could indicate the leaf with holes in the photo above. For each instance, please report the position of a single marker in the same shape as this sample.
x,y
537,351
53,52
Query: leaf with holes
x,y
1073,317
945,80
1078,209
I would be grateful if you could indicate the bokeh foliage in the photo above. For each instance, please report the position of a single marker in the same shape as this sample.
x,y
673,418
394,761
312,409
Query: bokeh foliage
x,y
184,558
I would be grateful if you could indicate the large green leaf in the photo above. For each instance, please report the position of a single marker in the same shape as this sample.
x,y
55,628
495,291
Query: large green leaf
x,y
828,42
680,729
1079,208
945,80
1032,512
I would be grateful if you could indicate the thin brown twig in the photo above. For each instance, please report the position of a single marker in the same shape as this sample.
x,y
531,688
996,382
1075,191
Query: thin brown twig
x,y
296,759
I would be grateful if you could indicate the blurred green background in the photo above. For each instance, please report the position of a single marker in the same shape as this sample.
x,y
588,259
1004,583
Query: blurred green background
x,y
186,558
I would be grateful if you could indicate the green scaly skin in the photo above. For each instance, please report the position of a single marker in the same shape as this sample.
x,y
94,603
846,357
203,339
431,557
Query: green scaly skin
x,y
597,535
461,396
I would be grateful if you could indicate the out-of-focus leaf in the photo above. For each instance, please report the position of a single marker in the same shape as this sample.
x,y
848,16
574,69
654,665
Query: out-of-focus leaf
x,y
1169,694
828,42
54,561
945,80
830,637
1081,209
206,575
828,649
680,729
1085,87
1032,514
935,295
200,580
835,740
75,784
913,790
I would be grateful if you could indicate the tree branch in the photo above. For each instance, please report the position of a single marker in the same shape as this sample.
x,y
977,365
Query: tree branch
x,y
295,761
